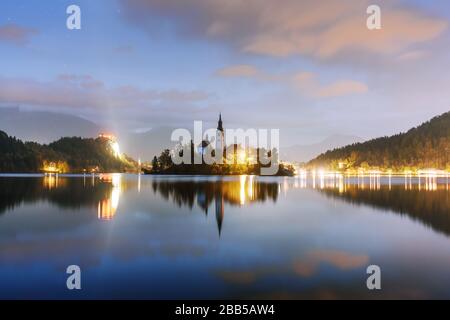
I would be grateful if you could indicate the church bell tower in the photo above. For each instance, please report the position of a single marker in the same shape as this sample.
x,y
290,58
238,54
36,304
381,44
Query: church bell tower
x,y
220,136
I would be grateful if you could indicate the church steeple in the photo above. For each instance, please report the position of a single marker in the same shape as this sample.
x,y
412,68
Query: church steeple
x,y
219,125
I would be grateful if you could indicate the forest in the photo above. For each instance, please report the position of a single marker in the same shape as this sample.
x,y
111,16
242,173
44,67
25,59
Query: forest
x,y
66,155
424,147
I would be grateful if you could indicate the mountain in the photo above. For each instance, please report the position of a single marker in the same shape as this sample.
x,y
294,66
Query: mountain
x,y
426,146
148,144
44,127
304,153
73,154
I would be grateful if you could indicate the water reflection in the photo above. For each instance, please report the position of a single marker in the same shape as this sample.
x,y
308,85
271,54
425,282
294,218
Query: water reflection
x,y
64,192
205,193
107,207
431,206
279,237
102,192
422,198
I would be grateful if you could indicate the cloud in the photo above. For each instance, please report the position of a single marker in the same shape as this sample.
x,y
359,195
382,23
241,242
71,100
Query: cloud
x,y
16,34
339,259
341,88
320,29
413,55
124,49
305,82
83,91
242,70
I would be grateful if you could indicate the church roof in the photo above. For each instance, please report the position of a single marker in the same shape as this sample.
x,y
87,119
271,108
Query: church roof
x,y
219,124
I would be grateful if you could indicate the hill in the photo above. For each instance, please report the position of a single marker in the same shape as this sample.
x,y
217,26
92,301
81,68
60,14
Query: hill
x,y
44,126
73,154
15,156
304,153
426,146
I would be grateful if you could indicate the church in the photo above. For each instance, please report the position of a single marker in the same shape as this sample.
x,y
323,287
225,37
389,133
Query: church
x,y
220,135
232,153
203,147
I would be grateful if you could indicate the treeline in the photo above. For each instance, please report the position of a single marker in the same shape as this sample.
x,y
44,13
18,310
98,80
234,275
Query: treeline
x,y
73,154
163,164
426,146
16,156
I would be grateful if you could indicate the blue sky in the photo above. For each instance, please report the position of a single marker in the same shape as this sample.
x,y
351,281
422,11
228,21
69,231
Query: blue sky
x,y
313,70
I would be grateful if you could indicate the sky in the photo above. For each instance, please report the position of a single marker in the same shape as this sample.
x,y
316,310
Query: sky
x,y
309,68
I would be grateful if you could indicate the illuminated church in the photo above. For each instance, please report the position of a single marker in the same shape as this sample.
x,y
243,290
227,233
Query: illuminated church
x,y
202,148
220,135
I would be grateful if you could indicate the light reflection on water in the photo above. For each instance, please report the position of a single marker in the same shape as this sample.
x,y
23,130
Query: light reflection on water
x,y
230,237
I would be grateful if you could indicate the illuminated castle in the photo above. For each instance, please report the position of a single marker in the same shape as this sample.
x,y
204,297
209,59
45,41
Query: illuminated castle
x,y
112,142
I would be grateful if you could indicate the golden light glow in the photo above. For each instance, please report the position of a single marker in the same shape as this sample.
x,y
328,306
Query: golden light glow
x,y
51,181
242,157
250,187
51,169
112,143
242,180
116,149
420,180
107,207
54,167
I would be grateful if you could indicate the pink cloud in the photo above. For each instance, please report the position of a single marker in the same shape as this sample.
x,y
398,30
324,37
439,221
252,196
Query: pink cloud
x,y
16,34
320,29
83,91
340,259
238,71
305,82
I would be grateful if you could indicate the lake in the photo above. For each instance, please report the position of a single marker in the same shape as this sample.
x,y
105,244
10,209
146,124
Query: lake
x,y
186,237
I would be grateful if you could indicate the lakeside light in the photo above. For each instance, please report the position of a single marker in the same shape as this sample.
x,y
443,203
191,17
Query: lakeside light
x,y
321,173
51,169
302,173
373,172
433,173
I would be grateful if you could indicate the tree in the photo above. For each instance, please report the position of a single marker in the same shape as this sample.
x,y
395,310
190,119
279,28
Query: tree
x,y
425,146
165,159
155,164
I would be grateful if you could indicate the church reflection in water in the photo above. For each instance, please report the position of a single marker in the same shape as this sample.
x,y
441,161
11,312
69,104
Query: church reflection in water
x,y
238,191
423,199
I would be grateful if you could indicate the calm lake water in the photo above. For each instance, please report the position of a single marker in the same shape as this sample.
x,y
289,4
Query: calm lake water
x,y
234,237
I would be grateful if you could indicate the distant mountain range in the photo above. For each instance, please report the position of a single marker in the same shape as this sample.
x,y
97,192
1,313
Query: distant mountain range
x,y
304,153
44,127
426,146
147,144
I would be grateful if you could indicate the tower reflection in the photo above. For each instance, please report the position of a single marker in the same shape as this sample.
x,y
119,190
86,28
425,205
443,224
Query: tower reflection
x,y
203,194
219,210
